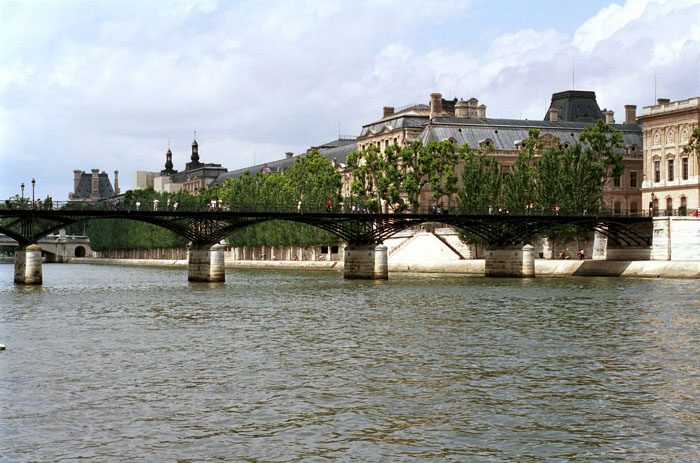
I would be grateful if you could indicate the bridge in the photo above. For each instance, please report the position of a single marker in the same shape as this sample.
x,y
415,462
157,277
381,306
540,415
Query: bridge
x,y
57,248
365,256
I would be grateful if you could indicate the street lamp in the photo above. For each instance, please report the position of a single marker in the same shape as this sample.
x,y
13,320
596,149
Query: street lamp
x,y
21,204
33,184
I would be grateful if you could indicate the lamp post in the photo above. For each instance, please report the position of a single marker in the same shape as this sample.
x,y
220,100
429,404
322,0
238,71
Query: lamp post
x,y
21,203
33,184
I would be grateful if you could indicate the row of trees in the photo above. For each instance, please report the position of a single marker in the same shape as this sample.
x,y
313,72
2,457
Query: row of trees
x,y
568,177
571,178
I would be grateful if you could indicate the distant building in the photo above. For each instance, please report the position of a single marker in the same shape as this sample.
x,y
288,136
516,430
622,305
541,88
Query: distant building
x,y
196,176
671,183
93,187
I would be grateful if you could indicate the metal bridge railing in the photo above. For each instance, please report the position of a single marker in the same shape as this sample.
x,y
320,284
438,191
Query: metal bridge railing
x,y
338,209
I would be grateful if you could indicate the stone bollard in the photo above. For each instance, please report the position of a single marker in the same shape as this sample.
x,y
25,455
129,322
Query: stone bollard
x,y
28,265
366,262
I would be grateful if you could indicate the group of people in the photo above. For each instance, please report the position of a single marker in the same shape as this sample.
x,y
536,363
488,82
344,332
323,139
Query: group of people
x,y
38,204
156,203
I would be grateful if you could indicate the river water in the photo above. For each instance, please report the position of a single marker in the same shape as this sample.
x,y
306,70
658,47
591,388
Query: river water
x,y
128,364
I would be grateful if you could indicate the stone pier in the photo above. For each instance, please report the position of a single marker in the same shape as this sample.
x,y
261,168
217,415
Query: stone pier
x,y
366,262
206,263
28,265
510,261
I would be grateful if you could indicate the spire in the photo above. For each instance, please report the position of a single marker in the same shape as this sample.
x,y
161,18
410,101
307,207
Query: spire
x,y
169,160
195,149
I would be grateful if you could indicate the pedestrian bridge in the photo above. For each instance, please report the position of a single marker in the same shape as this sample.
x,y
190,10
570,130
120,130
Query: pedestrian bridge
x,y
364,233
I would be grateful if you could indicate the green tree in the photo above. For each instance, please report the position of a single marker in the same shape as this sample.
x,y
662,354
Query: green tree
x,y
519,184
481,186
693,146
442,158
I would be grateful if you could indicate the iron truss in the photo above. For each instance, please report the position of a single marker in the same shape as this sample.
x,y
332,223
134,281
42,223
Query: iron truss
x,y
28,226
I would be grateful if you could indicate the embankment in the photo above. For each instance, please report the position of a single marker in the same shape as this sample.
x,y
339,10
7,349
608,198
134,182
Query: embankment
x,y
543,267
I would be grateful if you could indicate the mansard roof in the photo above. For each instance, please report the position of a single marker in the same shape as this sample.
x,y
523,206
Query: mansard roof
x,y
507,133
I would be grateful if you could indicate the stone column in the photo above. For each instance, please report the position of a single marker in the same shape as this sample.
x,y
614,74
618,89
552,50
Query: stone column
x,y
366,262
206,263
510,261
28,265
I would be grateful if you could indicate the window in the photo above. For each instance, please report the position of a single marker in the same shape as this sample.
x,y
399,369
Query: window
x,y
657,171
634,209
669,176
684,168
633,179
616,182
669,206
618,207
683,208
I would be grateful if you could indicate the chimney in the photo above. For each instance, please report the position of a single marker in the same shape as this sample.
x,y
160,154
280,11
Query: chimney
x,y
553,114
630,114
461,109
116,182
609,116
472,103
388,111
95,191
435,105
76,180
663,101
481,111
288,155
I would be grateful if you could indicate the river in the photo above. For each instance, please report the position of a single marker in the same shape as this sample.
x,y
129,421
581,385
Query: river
x,y
108,363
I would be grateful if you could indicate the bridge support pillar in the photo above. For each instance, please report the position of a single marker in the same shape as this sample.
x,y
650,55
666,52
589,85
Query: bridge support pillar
x,y
366,262
510,261
206,263
28,265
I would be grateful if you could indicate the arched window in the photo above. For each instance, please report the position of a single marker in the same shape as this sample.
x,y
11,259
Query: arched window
x,y
669,206
634,208
618,207
683,208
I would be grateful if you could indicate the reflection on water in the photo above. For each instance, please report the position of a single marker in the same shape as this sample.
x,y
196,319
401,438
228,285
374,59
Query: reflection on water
x,y
137,364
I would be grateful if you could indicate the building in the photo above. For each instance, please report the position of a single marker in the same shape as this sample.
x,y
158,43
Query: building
x,y
196,175
462,122
90,188
671,178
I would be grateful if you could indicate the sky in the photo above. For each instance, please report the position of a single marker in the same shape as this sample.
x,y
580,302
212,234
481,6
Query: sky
x,y
112,84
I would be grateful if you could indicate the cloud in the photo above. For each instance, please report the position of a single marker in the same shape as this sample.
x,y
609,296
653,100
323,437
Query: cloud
x,y
105,85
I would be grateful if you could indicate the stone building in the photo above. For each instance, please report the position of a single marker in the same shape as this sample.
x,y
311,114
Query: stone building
x,y
196,175
93,187
462,122
671,178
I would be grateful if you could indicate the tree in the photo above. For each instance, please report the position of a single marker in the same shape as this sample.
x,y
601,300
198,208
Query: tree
x,y
519,185
369,176
606,146
481,181
693,145
442,158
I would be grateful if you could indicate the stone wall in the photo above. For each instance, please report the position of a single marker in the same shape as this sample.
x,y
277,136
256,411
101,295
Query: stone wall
x,y
676,238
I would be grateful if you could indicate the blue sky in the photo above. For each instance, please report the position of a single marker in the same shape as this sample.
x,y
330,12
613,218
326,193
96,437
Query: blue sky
x,y
109,84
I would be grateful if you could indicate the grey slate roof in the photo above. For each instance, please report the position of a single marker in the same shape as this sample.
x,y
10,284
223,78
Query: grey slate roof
x,y
337,149
84,189
506,133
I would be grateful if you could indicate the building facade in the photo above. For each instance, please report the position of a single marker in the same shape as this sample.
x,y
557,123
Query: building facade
x,y
671,182
93,187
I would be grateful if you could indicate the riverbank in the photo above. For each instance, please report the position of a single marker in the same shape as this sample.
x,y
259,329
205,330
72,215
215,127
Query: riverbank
x,y
543,267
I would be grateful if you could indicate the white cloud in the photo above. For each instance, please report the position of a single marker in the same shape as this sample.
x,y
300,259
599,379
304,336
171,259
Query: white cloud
x,y
107,86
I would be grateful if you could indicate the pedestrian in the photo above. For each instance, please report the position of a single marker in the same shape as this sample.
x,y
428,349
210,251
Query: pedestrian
x,y
581,254
329,206
155,204
168,204
299,207
138,205
176,204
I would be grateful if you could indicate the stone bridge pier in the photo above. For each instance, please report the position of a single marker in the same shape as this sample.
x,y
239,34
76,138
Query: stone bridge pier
x,y
366,262
28,265
206,263
510,261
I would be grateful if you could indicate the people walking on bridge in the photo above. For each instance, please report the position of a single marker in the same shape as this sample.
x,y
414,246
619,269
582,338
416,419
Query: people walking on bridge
x,y
138,205
155,204
167,205
329,206
299,207
176,204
